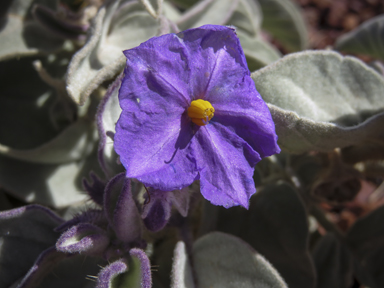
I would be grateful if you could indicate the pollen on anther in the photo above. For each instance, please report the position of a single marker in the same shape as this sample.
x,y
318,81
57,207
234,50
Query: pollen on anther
x,y
201,112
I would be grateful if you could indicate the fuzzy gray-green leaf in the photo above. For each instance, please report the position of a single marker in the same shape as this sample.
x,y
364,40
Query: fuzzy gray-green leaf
x,y
74,143
276,226
222,260
181,269
26,103
258,53
101,58
320,100
208,12
367,39
247,17
48,184
108,113
285,22
22,36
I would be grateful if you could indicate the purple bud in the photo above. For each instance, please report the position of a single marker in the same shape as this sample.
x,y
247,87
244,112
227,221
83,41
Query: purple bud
x,y
83,238
156,214
121,210
92,216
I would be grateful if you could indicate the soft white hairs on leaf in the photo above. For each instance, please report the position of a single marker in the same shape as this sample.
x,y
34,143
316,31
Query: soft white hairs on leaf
x,y
320,100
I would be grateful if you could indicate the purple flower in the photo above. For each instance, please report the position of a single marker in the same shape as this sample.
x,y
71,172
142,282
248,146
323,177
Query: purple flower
x,y
190,111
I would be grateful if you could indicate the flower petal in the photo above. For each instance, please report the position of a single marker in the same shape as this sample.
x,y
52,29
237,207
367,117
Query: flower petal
x,y
225,162
154,131
157,74
155,138
246,114
222,75
156,151
217,61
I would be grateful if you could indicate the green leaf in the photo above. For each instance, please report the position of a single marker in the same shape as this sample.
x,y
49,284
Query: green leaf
x,y
222,260
22,36
366,238
184,4
101,58
208,12
320,100
258,53
285,22
171,12
367,39
247,17
107,115
24,233
48,184
25,105
276,226
333,262
74,143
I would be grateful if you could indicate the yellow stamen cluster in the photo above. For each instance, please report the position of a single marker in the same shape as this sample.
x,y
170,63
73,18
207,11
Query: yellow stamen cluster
x,y
201,112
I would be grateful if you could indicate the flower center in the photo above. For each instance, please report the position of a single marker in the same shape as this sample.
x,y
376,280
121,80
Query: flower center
x,y
200,112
